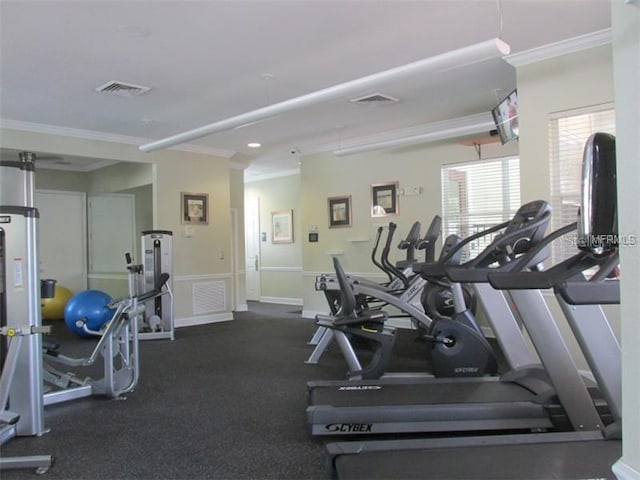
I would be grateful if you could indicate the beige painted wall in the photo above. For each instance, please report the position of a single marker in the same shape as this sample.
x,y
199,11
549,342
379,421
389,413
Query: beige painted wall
x,y
201,252
125,177
119,177
568,82
197,258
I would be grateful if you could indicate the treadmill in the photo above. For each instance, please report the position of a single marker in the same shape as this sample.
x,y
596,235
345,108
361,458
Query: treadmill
x,y
566,455
528,397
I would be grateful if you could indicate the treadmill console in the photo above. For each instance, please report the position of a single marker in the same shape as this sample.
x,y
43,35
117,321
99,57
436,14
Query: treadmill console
x,y
597,219
529,213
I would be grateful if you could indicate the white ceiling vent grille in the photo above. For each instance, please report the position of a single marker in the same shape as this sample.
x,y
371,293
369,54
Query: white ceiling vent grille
x,y
375,98
122,89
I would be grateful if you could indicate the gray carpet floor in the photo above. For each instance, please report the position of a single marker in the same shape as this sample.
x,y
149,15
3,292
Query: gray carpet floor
x,y
223,401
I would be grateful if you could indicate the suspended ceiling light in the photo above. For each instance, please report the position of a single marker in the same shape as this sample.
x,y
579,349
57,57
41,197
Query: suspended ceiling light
x,y
479,52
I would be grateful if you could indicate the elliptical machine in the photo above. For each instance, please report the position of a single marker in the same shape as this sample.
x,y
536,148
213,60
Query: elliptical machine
x,y
459,337
457,346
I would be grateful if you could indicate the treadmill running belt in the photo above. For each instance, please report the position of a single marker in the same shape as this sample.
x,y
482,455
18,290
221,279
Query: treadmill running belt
x,y
543,461
421,394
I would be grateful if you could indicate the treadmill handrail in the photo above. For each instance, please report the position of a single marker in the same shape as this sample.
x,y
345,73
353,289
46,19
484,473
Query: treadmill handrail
x,y
584,292
436,269
471,238
522,262
569,270
505,238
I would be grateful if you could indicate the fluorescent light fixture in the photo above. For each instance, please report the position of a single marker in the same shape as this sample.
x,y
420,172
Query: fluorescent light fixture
x,y
453,128
254,145
479,52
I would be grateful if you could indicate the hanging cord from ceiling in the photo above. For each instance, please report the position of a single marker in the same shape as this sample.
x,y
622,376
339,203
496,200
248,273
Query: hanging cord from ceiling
x,y
478,148
500,19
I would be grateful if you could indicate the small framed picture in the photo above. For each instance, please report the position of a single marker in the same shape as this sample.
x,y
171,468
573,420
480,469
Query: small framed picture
x,y
194,208
340,211
282,226
384,199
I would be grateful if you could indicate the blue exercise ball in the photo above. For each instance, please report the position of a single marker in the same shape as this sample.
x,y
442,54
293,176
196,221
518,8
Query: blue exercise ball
x,y
90,305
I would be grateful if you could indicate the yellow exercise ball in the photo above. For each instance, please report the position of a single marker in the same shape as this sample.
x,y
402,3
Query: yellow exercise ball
x,y
53,308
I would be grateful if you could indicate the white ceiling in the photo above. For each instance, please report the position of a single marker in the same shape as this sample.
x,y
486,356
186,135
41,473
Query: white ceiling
x,y
209,60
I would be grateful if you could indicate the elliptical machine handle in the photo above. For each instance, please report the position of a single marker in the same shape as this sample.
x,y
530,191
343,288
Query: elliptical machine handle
x,y
385,256
375,250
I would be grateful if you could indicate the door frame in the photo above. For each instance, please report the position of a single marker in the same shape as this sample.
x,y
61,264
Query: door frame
x,y
252,213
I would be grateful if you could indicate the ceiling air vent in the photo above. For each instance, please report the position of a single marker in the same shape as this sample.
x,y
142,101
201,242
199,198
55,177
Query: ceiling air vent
x,y
122,89
377,98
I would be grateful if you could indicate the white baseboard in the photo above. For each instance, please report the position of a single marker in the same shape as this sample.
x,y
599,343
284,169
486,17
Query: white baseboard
x,y
203,319
242,308
624,471
282,300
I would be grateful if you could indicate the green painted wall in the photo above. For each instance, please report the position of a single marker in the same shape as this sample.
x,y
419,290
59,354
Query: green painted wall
x,y
281,264
323,177
46,179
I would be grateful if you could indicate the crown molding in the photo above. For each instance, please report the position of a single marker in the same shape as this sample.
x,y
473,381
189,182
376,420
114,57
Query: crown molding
x,y
104,137
563,47
269,176
237,165
83,169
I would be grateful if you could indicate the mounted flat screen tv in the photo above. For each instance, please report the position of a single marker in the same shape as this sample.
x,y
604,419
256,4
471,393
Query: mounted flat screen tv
x,y
505,116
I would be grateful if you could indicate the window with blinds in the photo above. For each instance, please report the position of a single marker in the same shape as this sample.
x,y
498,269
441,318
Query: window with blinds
x,y
568,133
479,195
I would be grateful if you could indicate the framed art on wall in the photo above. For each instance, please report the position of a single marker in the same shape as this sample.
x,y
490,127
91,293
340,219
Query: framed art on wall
x,y
282,226
194,208
340,211
384,199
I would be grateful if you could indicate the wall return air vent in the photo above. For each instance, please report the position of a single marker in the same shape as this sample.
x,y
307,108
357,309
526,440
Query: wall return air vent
x,y
122,89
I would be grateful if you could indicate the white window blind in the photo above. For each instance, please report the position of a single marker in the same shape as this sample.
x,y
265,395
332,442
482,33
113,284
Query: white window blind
x,y
479,195
568,132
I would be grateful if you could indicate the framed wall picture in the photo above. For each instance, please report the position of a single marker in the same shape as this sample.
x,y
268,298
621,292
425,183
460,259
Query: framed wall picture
x,y
384,199
194,208
340,211
282,226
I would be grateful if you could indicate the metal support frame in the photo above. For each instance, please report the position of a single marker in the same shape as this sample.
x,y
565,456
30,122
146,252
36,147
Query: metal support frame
x,y
557,360
10,420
